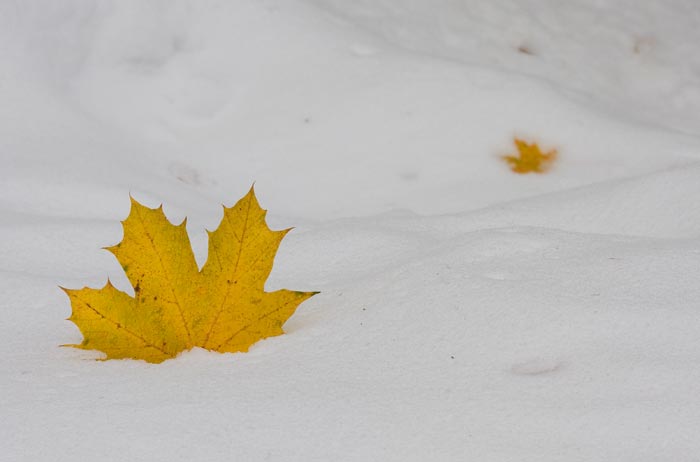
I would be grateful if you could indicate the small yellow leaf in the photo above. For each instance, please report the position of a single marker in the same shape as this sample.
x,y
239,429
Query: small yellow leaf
x,y
530,158
222,307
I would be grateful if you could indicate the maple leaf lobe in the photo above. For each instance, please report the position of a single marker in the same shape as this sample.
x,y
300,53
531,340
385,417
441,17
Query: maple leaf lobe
x,y
222,307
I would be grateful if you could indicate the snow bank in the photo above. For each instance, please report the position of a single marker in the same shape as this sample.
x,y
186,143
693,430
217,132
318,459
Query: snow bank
x,y
465,312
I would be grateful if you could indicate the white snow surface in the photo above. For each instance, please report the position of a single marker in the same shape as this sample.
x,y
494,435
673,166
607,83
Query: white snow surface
x,y
466,312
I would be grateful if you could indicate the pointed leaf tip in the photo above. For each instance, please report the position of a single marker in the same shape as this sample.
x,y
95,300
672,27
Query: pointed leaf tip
x,y
251,193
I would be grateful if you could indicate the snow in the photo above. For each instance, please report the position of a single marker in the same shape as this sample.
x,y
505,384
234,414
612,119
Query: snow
x,y
466,313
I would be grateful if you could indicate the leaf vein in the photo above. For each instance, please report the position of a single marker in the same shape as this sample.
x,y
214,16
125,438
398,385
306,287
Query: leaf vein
x,y
120,326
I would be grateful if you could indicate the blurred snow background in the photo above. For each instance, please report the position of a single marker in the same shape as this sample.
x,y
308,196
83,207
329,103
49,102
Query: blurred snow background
x,y
466,312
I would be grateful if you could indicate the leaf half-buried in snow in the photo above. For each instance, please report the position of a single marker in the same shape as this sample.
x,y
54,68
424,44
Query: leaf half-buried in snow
x,y
530,158
176,306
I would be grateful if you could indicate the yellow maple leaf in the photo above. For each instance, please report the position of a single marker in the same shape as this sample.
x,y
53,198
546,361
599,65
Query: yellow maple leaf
x,y
530,158
222,307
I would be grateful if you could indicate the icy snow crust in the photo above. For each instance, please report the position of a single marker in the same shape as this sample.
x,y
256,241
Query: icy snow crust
x,y
466,313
